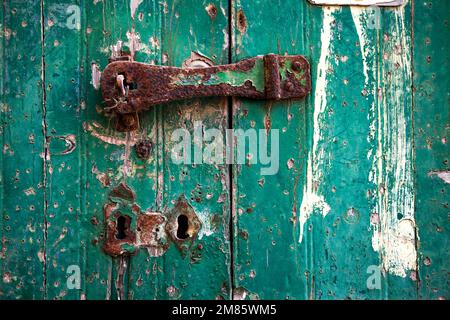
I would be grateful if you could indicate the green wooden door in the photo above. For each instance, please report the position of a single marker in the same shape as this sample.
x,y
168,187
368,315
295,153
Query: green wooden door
x,y
356,206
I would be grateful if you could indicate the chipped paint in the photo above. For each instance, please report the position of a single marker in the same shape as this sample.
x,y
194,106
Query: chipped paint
x,y
135,44
115,50
444,175
70,142
134,4
96,74
311,200
30,191
206,228
109,136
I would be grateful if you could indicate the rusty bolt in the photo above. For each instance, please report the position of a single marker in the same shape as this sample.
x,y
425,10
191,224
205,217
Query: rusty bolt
x,y
143,149
128,120
289,86
94,221
296,66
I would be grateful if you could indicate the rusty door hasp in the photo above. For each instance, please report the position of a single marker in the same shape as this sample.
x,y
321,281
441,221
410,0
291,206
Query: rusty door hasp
x,y
129,87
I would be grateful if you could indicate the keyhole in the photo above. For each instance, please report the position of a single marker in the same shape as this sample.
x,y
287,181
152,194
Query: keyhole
x,y
121,228
183,225
130,85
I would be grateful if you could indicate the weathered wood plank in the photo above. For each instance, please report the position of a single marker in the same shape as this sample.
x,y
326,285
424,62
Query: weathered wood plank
x,y
177,29
269,262
431,140
21,181
392,171
351,208
80,179
339,126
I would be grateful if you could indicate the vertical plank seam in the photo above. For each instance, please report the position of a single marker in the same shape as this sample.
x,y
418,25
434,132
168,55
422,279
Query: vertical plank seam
x,y
230,165
83,147
45,145
2,118
413,140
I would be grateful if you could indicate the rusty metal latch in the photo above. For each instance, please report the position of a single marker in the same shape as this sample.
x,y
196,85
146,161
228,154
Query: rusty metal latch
x,y
129,87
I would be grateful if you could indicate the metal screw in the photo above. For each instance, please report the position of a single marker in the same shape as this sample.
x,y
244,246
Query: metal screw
x,y
289,86
296,66
128,120
143,149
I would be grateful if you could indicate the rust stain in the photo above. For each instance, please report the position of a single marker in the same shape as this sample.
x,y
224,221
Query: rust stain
x,y
212,10
241,21
143,149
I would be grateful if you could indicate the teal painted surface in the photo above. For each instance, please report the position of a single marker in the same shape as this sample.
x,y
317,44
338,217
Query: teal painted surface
x,y
363,173
344,201
431,135
22,178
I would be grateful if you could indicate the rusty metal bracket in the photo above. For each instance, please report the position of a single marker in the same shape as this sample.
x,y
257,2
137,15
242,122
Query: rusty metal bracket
x,y
130,87
129,229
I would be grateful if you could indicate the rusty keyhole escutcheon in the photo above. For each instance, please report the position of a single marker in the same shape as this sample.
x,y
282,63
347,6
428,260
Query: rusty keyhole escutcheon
x,y
129,229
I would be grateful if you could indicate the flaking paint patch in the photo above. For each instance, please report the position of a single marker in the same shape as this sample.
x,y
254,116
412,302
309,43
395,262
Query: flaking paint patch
x,y
96,74
311,200
205,219
225,39
394,236
103,134
135,44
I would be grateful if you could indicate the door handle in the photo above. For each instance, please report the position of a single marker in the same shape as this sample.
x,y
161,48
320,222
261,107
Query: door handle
x,y
129,87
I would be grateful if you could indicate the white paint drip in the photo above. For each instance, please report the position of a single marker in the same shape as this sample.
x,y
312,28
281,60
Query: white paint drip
x,y
392,169
311,200
134,4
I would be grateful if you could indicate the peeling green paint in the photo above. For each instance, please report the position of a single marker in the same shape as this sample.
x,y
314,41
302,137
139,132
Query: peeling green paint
x,y
232,77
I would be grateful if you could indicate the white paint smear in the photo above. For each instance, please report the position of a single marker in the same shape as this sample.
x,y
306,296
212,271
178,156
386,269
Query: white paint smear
x,y
311,200
444,175
134,4
392,158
